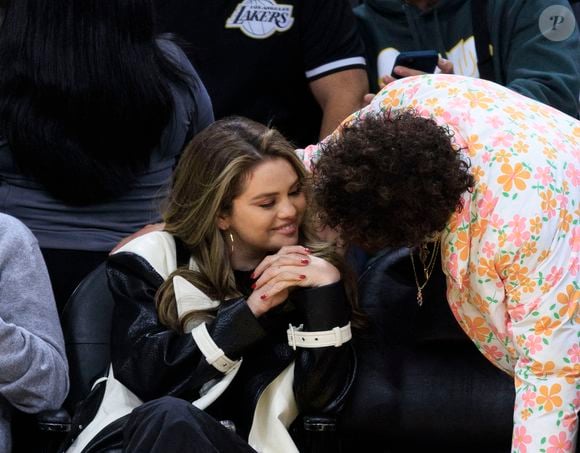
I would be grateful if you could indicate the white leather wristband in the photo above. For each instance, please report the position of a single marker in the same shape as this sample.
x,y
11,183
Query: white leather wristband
x,y
333,337
212,353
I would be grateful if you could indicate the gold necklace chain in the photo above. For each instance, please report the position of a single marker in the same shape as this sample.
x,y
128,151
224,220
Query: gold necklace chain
x,y
427,270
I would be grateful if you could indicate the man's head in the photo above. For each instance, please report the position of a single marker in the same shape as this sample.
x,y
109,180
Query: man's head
x,y
392,179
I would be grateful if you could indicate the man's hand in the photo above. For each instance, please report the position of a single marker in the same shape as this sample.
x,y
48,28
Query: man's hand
x,y
445,67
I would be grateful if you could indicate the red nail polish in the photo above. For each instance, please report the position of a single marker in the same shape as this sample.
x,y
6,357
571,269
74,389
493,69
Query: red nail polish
x,y
264,296
253,286
304,261
302,277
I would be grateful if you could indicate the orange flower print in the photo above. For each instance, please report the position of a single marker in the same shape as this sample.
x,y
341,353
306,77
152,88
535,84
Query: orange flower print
x,y
565,220
439,111
503,156
570,300
549,152
478,100
481,304
513,176
543,370
478,228
462,245
529,248
525,414
431,102
535,224
544,326
521,147
514,113
477,173
528,285
476,328
549,397
545,288
521,439
502,264
559,443
473,145
392,99
545,254
549,203
570,373
517,273
486,268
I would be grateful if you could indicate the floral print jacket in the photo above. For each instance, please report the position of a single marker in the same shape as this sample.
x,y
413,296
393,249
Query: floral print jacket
x,y
511,255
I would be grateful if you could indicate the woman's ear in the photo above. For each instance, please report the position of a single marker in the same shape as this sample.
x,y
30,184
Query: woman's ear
x,y
223,222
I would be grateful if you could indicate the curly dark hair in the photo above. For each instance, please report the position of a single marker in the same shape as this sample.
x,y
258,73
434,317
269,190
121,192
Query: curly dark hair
x,y
390,179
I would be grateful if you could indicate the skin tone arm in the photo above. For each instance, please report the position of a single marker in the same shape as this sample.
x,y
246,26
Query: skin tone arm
x,y
339,94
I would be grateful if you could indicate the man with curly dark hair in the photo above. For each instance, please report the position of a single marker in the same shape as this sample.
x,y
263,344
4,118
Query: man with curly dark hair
x,y
493,179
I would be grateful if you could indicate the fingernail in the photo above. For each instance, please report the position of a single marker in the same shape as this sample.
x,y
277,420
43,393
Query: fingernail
x,y
253,276
253,286
264,296
304,261
302,277
306,249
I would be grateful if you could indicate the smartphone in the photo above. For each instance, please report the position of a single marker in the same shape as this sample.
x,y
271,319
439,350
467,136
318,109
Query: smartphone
x,y
421,60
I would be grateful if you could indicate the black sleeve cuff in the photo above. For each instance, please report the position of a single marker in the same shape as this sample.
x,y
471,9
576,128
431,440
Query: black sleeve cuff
x,y
324,307
235,328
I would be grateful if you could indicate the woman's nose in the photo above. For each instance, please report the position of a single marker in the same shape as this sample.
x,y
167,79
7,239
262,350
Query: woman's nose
x,y
287,209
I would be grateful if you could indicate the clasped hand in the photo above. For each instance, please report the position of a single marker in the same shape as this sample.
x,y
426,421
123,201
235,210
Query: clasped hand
x,y
292,266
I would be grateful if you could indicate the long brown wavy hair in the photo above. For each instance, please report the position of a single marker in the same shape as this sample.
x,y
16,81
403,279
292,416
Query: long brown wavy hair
x,y
211,173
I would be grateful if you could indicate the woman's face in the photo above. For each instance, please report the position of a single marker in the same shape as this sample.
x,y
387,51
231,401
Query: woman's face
x,y
267,214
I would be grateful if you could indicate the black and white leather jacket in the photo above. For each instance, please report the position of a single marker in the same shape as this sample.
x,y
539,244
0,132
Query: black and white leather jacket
x,y
226,365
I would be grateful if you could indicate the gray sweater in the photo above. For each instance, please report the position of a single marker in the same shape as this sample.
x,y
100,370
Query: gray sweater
x,y
33,366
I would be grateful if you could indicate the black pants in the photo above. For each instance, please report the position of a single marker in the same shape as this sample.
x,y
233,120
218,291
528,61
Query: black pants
x,y
170,424
67,268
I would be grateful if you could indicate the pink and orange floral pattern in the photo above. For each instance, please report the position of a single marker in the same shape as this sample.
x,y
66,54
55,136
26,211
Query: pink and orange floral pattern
x,y
512,256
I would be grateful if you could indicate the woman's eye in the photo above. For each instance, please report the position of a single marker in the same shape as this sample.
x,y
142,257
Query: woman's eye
x,y
295,192
267,205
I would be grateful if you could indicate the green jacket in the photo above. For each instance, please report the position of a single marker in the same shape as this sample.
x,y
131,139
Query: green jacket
x,y
524,59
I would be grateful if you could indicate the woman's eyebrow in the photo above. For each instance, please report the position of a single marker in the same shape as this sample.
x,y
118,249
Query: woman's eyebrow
x,y
271,194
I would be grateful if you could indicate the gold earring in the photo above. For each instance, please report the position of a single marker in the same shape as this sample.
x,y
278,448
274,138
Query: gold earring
x,y
232,241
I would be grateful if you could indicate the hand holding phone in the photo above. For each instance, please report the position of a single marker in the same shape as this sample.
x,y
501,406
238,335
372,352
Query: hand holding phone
x,y
419,60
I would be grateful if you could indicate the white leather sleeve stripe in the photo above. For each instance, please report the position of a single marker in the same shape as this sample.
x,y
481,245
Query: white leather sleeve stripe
x,y
213,354
333,337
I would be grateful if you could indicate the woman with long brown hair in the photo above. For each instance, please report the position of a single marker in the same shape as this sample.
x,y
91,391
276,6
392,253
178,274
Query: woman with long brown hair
x,y
235,307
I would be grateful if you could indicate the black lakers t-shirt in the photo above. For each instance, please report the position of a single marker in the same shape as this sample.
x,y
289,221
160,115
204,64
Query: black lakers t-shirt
x,y
256,57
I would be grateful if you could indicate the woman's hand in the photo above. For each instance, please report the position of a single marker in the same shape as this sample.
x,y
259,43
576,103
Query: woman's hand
x,y
290,267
